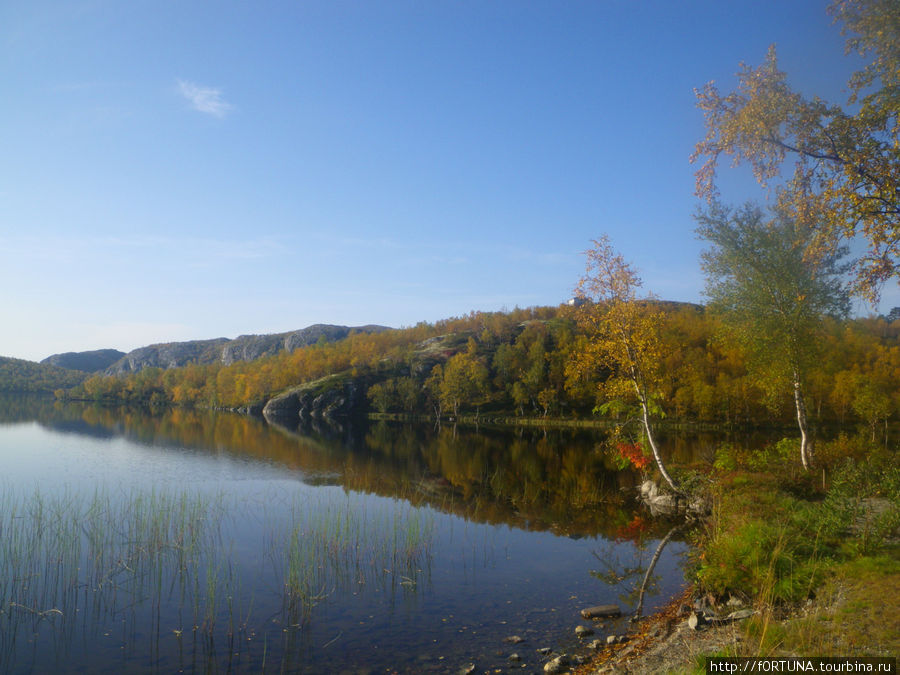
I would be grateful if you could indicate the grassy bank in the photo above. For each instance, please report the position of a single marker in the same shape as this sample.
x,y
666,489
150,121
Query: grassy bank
x,y
821,567
816,557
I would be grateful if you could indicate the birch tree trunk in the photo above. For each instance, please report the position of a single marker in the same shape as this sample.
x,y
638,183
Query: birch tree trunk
x,y
801,422
648,429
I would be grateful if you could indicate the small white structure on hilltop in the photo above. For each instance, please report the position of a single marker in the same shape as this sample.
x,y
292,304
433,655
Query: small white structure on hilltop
x,y
577,301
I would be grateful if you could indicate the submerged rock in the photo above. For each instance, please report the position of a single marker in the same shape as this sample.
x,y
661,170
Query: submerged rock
x,y
601,611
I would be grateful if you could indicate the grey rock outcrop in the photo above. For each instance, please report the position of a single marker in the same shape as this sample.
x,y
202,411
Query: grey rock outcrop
x,y
252,347
169,355
329,398
228,351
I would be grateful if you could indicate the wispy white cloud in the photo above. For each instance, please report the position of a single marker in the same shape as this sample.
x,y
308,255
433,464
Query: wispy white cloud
x,y
205,99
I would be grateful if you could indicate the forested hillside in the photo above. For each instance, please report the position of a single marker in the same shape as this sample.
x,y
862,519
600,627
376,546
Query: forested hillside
x,y
18,375
519,363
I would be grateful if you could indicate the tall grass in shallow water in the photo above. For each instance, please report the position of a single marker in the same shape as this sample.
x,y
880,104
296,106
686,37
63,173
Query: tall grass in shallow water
x,y
153,566
341,546
79,562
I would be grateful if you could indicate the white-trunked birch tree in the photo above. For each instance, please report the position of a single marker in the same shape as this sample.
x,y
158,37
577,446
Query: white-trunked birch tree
x,y
773,292
622,332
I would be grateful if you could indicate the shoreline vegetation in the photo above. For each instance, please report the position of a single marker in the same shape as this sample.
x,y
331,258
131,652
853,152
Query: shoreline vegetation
x,y
518,365
509,420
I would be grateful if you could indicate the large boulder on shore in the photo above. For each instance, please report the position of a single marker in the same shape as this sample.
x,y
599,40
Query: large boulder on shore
x,y
668,504
331,397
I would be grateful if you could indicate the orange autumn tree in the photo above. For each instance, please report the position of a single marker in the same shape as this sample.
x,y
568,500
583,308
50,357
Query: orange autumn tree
x,y
622,337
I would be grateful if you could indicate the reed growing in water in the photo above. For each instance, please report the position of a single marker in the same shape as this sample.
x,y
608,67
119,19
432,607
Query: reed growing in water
x,y
169,563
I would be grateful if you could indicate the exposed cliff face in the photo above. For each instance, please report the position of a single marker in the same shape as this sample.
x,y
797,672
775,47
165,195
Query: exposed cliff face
x,y
88,362
171,355
223,350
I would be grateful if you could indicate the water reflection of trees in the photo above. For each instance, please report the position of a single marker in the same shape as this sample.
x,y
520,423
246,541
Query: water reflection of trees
x,y
530,478
616,572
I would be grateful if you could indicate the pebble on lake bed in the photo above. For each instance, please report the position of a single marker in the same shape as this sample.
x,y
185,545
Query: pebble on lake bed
x,y
583,631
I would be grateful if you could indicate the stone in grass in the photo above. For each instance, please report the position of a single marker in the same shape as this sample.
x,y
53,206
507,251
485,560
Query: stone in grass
x,y
616,639
595,644
740,614
557,665
601,611
583,631
695,620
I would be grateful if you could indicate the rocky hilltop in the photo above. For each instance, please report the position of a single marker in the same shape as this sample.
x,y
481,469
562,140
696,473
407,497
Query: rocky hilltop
x,y
169,355
252,347
87,362
228,351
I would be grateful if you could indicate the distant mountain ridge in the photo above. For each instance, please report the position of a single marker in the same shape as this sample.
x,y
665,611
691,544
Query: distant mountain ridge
x,y
87,362
228,351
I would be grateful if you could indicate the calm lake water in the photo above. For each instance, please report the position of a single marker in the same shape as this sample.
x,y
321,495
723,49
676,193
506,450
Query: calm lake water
x,y
203,542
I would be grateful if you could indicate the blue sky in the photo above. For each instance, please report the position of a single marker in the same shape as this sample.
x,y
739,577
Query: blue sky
x,y
177,169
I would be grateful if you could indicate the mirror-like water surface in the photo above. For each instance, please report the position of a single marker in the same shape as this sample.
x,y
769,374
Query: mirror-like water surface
x,y
199,541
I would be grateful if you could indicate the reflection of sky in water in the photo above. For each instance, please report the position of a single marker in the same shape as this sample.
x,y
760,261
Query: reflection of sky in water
x,y
479,583
31,454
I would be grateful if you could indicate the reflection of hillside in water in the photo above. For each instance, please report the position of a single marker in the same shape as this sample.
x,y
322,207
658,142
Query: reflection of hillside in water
x,y
527,478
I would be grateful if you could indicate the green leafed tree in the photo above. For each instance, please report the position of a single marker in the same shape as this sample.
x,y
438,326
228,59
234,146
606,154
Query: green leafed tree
x,y
843,163
772,294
